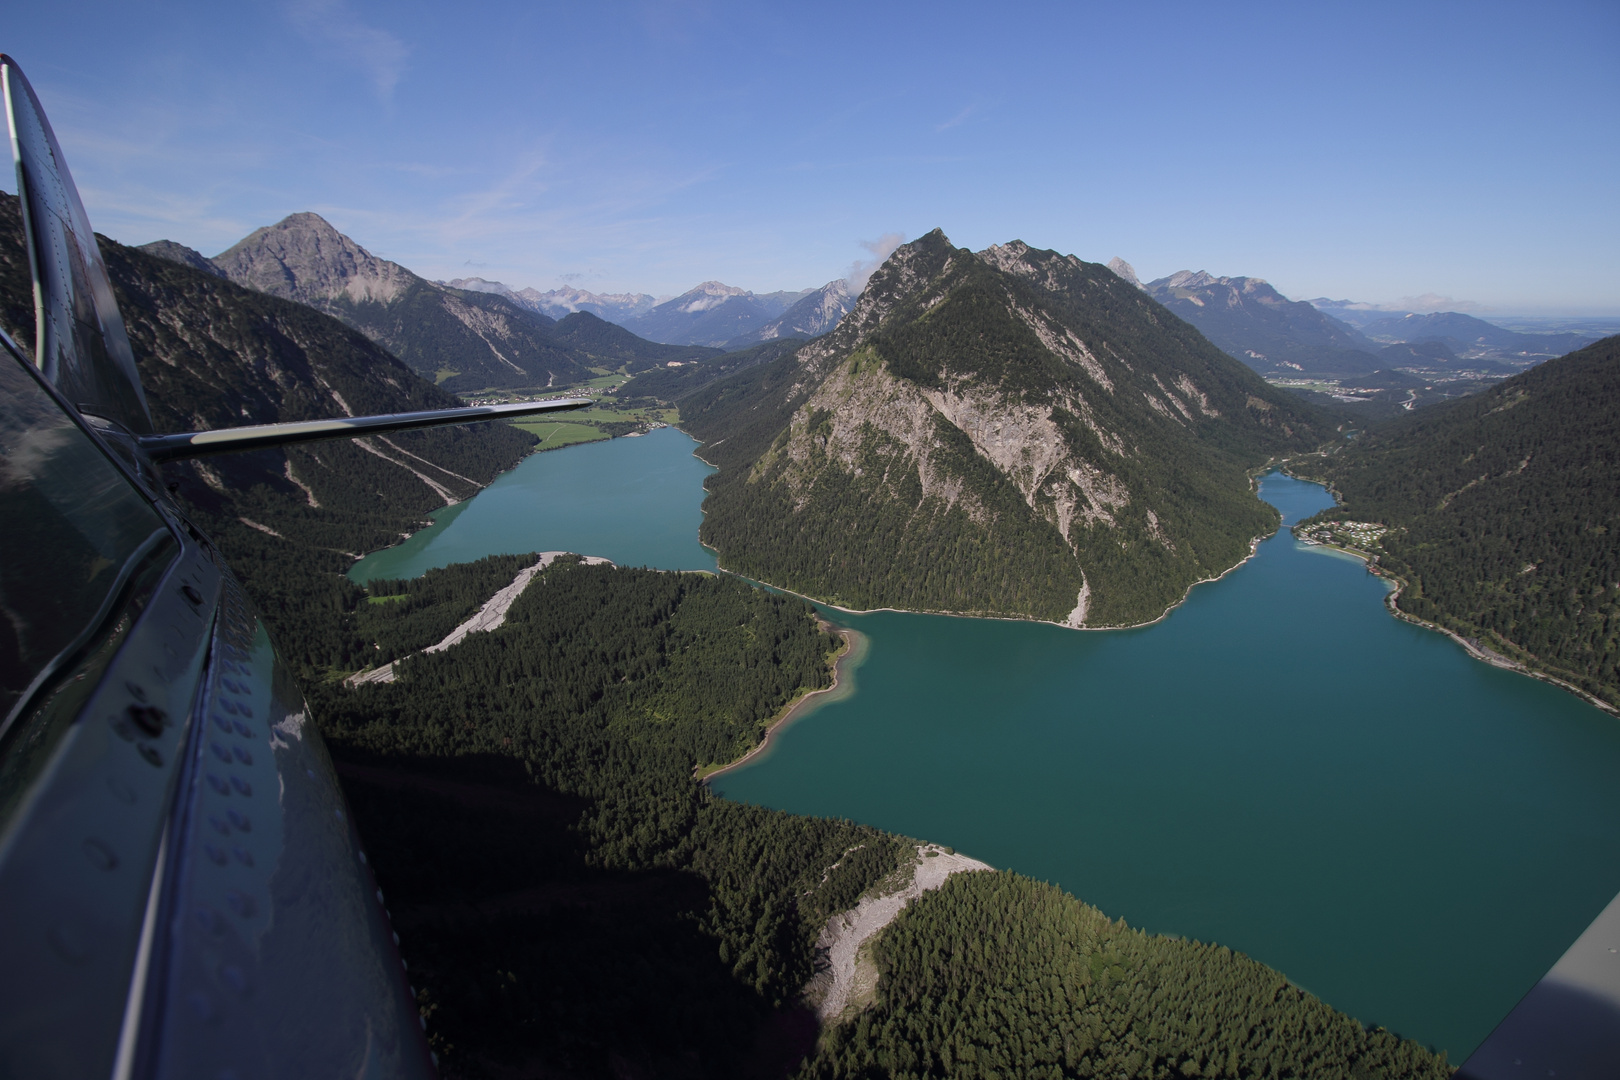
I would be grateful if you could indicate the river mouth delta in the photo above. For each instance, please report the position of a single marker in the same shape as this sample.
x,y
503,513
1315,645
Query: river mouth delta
x,y
1280,766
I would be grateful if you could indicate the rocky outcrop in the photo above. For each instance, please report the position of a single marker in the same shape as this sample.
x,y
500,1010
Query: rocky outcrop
x,y
846,978
811,317
1124,270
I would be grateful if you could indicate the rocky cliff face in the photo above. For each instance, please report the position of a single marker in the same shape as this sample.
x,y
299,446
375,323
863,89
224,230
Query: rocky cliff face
x,y
463,339
1009,432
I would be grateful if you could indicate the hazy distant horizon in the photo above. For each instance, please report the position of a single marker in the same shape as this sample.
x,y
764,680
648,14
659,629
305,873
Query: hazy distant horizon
x,y
1361,152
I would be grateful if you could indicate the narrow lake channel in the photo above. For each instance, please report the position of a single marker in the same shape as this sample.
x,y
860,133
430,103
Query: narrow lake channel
x,y
1279,766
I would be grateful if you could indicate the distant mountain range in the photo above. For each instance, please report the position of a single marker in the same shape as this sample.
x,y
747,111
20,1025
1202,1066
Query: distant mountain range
x,y
471,333
1468,337
560,303
1342,339
1354,312
1475,339
462,339
713,314
1253,322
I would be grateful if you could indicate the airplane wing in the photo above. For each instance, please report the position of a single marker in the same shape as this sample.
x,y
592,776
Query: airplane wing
x,y
162,448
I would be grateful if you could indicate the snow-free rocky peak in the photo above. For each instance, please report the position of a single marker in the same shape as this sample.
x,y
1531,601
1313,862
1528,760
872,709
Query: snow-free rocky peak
x,y
1124,270
302,257
179,253
811,317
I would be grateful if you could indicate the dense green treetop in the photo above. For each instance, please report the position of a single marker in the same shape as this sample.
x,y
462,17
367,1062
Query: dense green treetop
x,y
403,617
616,916
604,690
997,975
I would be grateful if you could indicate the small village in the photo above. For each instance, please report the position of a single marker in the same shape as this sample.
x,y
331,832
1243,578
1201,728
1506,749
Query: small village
x,y
1359,536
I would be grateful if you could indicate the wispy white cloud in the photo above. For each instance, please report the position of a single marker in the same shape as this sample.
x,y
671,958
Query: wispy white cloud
x,y
1425,304
138,214
960,118
860,272
497,202
1430,302
332,25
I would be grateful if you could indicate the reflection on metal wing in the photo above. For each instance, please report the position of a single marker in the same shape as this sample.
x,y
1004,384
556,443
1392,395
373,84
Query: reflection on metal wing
x,y
80,345
229,440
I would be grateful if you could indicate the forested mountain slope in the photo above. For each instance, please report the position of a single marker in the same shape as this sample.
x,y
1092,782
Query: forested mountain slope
x,y
670,385
1504,513
214,354
1009,433
570,902
609,345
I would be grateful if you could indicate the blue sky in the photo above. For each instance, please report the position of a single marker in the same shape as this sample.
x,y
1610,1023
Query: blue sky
x,y
1359,151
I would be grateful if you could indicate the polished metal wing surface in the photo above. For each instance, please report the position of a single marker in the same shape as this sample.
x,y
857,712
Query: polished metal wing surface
x,y
183,891
80,342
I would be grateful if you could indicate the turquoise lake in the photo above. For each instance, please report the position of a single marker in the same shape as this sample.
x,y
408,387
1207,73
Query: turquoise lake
x,y
1279,765
634,501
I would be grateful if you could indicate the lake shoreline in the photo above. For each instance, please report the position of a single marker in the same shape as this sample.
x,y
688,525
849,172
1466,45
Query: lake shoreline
x,y
852,652
1254,548
532,452
1472,646
443,517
